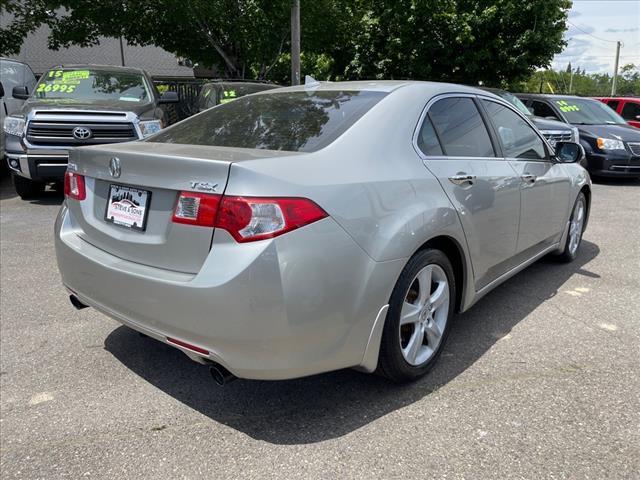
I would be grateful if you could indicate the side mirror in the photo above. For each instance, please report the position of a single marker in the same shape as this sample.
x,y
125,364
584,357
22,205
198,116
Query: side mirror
x,y
169,97
569,152
21,93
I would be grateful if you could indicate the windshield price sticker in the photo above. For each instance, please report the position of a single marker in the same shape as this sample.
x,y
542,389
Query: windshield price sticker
x,y
56,87
228,96
68,75
63,81
566,107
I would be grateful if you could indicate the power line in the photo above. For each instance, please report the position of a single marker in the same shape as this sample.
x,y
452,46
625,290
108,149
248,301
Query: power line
x,y
591,34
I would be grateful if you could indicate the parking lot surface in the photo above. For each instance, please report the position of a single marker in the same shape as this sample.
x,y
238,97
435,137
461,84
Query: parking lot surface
x,y
540,379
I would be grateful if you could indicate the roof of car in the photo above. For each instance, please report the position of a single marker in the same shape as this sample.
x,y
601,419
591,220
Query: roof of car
x,y
550,95
386,86
617,98
5,59
109,68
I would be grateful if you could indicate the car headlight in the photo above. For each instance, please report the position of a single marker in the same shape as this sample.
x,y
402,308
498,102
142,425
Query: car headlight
x,y
609,144
14,126
149,127
576,135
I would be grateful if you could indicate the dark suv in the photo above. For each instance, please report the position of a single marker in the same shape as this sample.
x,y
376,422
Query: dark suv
x,y
612,146
73,106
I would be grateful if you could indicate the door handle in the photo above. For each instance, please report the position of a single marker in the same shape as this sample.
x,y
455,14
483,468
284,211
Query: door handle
x,y
528,178
462,178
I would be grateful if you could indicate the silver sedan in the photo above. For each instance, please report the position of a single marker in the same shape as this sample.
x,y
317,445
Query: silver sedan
x,y
307,229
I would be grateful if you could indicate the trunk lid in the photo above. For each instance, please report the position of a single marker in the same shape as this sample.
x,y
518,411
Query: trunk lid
x,y
163,170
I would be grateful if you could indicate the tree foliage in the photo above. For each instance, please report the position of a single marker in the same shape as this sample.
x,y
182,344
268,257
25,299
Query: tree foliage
x,y
596,84
493,41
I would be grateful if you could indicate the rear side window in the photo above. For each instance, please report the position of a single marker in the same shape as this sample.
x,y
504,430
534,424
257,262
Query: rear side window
x,y
631,111
460,128
427,140
541,109
290,121
518,139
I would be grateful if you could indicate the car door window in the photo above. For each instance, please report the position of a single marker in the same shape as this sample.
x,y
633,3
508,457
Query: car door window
x,y
541,109
517,137
460,128
631,111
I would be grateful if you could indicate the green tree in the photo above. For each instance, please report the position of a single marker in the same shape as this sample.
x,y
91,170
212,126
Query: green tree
x,y
595,84
243,38
466,41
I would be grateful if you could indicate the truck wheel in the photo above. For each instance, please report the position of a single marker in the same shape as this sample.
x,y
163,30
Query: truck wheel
x,y
27,189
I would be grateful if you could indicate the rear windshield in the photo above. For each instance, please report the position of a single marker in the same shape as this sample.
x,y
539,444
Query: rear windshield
x,y
291,121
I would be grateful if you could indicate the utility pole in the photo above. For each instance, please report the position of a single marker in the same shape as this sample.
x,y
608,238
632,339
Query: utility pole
x,y
571,82
615,69
121,52
295,42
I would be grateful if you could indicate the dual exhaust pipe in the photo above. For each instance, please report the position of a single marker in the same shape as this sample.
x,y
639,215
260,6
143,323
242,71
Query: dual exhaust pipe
x,y
220,375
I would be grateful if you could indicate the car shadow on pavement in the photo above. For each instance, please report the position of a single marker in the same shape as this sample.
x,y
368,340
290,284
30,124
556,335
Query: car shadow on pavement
x,y
331,405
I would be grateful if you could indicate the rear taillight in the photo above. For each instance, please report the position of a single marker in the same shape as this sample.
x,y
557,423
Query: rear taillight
x,y
74,186
247,219
196,209
250,218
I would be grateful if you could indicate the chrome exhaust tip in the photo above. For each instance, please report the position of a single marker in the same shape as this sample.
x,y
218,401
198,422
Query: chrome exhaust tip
x,y
221,375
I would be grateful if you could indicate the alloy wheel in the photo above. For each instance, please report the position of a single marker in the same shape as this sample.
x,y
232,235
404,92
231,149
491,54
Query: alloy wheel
x,y
576,227
424,315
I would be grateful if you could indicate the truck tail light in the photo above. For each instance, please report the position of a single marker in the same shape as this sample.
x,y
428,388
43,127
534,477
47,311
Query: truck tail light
x,y
247,219
74,186
195,208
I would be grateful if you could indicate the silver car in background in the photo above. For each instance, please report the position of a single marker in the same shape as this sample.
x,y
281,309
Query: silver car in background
x,y
321,227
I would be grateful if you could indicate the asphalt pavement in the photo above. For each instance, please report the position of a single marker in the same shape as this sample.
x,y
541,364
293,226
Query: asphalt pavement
x,y
540,379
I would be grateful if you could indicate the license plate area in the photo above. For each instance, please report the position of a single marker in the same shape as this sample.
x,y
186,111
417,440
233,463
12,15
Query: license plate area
x,y
128,207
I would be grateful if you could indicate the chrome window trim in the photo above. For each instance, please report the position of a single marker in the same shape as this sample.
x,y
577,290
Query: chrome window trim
x,y
479,96
425,110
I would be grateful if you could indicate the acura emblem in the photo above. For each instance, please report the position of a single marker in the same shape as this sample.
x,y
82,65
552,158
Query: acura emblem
x,y
81,133
114,167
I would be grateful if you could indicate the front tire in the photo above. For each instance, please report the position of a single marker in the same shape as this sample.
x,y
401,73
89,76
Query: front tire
x,y
417,325
27,189
576,229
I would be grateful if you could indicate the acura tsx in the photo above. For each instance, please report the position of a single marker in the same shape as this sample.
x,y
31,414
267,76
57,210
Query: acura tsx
x,y
313,228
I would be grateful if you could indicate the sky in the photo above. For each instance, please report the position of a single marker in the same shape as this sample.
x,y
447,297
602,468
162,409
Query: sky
x,y
595,26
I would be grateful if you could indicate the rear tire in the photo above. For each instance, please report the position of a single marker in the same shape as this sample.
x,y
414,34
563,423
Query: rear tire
x,y
420,310
576,229
27,189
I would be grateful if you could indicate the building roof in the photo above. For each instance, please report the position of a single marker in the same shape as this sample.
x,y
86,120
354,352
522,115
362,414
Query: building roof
x,y
156,61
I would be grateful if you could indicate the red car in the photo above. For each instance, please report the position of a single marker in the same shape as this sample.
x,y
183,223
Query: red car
x,y
627,107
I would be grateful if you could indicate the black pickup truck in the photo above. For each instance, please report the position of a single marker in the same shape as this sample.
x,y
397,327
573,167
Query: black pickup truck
x,y
78,105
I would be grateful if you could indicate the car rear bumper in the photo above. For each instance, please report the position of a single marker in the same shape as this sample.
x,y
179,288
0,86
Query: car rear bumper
x,y
300,304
